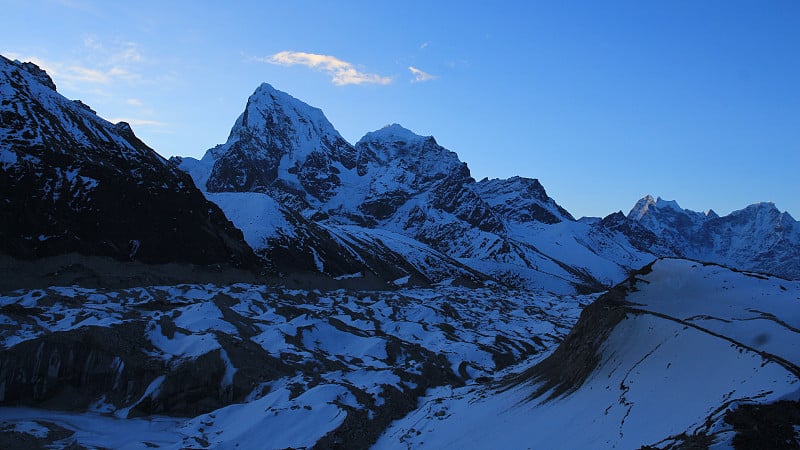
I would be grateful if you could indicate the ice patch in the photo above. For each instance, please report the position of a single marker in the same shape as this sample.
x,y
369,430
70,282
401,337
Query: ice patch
x,y
349,276
29,427
402,280
317,260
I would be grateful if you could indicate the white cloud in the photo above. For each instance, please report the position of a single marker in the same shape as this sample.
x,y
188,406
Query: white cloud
x,y
44,65
63,73
85,74
98,64
420,76
424,45
134,102
343,72
127,52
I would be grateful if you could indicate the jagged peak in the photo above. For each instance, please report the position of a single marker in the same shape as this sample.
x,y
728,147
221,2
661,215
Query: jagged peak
x,y
644,205
394,133
615,217
274,114
86,107
123,126
518,183
267,92
268,100
671,204
523,198
763,205
657,205
513,179
37,72
640,208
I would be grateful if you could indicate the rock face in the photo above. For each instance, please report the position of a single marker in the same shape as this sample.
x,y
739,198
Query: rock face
x,y
759,237
279,142
400,166
73,182
522,200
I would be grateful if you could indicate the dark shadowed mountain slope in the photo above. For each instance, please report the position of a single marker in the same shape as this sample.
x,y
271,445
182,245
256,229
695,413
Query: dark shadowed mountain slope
x,y
73,182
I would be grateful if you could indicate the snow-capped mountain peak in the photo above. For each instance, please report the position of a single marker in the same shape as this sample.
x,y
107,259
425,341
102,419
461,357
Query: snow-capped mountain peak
x,y
640,208
279,139
672,204
37,72
397,181
646,204
394,133
266,105
658,213
396,145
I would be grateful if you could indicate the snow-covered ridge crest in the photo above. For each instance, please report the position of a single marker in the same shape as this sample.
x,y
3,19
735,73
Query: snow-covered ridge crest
x,y
393,133
522,200
28,91
268,108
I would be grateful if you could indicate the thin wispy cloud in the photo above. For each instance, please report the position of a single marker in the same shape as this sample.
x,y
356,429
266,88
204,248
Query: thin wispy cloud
x,y
99,64
92,43
128,52
80,73
107,75
79,77
341,72
420,76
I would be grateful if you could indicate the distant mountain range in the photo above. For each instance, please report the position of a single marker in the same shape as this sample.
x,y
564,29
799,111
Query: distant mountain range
x,y
758,237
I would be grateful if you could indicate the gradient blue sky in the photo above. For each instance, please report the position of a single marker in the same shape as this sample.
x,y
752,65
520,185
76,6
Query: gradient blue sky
x,y
604,102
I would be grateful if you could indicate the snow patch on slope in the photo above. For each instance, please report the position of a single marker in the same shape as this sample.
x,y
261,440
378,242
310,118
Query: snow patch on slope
x,y
258,215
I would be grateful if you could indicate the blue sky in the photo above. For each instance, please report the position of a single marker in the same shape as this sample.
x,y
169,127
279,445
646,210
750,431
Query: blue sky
x,y
604,102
